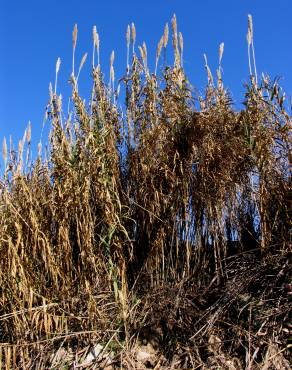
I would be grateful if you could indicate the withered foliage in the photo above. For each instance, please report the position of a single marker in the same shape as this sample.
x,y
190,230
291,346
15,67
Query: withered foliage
x,y
168,215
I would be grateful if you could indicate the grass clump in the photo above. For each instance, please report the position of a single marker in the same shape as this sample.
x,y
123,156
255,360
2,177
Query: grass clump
x,y
165,220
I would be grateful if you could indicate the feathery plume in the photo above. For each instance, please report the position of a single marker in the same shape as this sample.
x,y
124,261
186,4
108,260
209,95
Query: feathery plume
x,y
128,35
158,52
4,150
118,89
128,38
221,51
112,71
59,103
145,55
24,136
10,146
174,24
112,74
112,58
20,151
39,149
74,35
252,46
181,41
181,46
95,45
95,37
175,41
83,60
209,73
250,43
219,70
165,35
74,39
51,91
28,132
250,26
58,63
133,36
141,52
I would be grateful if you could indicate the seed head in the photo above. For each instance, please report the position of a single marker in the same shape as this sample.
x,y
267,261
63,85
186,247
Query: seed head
x,y
174,25
83,60
51,91
74,36
20,148
95,37
141,52
58,63
39,149
159,47
112,58
165,35
249,35
145,50
133,33
158,51
128,35
4,150
28,132
181,42
221,50
250,25
112,73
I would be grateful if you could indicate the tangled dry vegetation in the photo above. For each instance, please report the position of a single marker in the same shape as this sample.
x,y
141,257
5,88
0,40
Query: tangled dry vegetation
x,y
158,229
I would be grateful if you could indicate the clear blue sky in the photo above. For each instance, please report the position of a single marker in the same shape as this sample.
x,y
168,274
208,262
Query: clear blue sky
x,y
34,33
